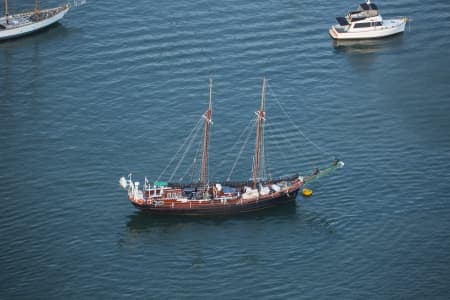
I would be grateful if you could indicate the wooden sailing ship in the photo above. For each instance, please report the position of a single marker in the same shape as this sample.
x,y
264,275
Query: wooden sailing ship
x,y
221,198
16,25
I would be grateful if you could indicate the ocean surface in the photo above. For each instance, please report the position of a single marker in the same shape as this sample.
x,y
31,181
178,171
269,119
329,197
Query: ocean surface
x,y
115,88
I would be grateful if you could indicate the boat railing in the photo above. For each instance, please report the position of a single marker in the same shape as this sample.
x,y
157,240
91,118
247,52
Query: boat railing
x,y
233,183
405,19
27,13
343,29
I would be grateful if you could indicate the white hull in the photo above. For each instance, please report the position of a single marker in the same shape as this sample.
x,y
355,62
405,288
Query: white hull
x,y
389,27
20,24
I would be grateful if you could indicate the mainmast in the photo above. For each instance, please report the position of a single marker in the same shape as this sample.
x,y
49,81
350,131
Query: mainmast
x,y
6,11
261,114
36,7
208,120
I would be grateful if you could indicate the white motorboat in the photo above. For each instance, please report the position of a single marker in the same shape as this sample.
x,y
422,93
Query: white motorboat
x,y
366,23
12,26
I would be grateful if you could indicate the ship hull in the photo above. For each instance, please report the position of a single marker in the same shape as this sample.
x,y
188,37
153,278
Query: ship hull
x,y
14,31
392,27
234,208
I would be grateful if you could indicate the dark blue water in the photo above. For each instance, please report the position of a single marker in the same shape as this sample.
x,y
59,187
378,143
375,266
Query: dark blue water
x,y
115,87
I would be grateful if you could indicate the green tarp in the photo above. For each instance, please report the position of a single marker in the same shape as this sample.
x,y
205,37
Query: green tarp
x,y
160,183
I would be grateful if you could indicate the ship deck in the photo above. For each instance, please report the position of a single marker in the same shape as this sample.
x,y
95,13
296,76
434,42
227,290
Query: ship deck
x,y
28,18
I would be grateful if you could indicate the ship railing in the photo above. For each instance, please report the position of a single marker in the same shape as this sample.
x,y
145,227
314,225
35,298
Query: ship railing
x,y
233,183
401,17
27,13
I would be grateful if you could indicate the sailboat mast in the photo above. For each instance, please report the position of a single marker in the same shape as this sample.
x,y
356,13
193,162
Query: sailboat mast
x,y
6,11
207,117
36,7
261,114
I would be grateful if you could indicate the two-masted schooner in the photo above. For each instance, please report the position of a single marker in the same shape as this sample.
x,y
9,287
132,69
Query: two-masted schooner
x,y
221,198
16,25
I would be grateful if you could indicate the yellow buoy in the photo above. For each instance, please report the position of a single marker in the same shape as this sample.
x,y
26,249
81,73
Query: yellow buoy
x,y
306,192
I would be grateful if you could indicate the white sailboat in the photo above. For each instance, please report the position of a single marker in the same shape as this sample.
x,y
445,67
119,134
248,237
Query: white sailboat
x,y
12,26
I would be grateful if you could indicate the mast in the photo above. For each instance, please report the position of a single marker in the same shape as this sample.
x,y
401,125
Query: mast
x,y
261,115
208,120
36,7
6,11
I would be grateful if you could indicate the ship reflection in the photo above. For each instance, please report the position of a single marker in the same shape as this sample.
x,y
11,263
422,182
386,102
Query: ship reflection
x,y
367,46
141,224
30,65
55,30
364,52
142,221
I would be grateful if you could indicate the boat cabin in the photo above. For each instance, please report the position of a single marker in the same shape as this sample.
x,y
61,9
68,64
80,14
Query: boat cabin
x,y
367,24
365,10
368,6
365,17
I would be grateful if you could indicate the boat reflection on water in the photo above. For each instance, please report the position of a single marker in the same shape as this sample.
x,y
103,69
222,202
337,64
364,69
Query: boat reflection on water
x,y
367,46
32,63
142,227
56,30
362,53
141,221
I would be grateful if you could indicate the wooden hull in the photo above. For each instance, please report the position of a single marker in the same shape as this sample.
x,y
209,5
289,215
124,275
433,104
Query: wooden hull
x,y
213,207
178,202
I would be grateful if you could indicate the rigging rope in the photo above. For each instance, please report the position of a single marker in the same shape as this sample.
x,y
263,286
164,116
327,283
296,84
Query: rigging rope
x,y
252,122
262,170
188,147
275,141
295,125
194,163
247,127
208,160
181,147
187,144
286,140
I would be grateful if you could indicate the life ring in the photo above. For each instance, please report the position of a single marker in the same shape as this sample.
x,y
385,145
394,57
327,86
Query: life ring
x,y
140,201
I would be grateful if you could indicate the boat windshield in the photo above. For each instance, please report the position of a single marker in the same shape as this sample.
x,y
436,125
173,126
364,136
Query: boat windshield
x,y
368,6
342,21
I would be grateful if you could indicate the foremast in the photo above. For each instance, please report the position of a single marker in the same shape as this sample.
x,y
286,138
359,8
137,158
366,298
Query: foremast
x,y
258,145
36,7
6,11
208,121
